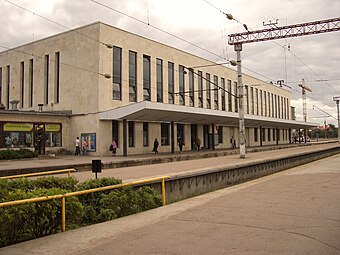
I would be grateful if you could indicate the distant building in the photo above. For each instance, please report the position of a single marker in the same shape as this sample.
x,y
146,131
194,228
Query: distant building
x,y
72,84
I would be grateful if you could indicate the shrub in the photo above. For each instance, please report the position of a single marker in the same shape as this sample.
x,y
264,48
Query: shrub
x,y
69,183
17,154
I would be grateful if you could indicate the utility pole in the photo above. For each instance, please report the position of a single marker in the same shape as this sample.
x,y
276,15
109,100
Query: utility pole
x,y
337,99
238,49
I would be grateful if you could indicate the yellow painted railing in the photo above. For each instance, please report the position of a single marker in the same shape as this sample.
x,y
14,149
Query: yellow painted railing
x,y
83,192
68,171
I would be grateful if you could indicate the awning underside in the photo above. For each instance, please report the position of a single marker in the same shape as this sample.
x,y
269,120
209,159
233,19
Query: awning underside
x,y
158,112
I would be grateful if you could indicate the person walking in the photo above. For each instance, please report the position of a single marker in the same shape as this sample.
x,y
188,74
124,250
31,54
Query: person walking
x,y
114,147
198,143
84,147
155,146
180,144
232,142
77,152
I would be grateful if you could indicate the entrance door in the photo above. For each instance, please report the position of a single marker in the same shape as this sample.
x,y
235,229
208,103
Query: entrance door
x,y
193,136
39,139
180,132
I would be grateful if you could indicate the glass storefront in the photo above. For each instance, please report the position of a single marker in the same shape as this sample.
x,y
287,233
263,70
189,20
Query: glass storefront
x,y
26,135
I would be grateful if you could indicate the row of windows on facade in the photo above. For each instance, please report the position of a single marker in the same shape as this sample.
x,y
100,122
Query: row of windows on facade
x,y
265,103
272,133
22,86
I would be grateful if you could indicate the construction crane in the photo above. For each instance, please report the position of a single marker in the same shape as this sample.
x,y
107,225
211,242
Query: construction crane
x,y
304,88
315,27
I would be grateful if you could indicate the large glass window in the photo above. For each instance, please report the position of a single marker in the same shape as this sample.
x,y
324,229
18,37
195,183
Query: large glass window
x,y
252,99
145,134
159,80
165,133
236,96
115,131
191,87
132,76
57,78
279,106
269,138
8,80
208,90
230,102
215,92
261,102
117,73
22,83
273,107
255,134
131,131
46,76
220,134
247,97
171,83
146,78
181,85
257,101
265,102
30,88
200,89
223,93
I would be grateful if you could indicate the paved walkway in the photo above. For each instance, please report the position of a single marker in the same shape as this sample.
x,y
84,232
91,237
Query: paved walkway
x,y
296,211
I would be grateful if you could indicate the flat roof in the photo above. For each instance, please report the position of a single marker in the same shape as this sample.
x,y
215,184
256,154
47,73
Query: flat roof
x,y
160,112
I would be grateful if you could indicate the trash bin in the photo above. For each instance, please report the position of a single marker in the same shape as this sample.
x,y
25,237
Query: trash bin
x,y
96,166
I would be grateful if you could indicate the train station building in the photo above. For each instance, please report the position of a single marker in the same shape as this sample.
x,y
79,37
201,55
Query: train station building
x,y
101,83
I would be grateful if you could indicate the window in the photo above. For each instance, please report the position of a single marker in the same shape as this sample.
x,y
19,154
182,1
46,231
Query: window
x,y
284,108
146,78
208,90
252,99
22,83
223,94
200,89
30,87
0,85
131,130
255,135
165,133
230,103
265,102
181,85
171,83
115,131
279,106
278,134
273,108
8,84
257,101
247,97
145,134
159,80
236,96
117,73
191,87
57,78
46,76
132,76
263,134
215,92
268,104
274,134
269,135
220,134
261,102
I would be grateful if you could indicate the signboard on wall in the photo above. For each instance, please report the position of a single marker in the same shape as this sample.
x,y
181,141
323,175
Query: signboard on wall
x,y
90,138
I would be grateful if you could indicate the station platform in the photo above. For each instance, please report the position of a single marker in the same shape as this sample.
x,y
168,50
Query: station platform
x,y
295,211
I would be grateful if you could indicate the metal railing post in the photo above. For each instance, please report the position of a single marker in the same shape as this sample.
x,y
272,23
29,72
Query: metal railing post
x,y
163,191
63,215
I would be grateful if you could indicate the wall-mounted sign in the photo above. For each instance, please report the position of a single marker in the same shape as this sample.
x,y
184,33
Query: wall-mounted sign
x,y
52,127
18,127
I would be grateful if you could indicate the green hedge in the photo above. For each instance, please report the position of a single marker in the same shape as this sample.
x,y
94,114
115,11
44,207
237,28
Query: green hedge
x,y
17,154
28,221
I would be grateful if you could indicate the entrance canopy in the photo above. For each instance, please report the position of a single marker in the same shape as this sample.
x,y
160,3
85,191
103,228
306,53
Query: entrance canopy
x,y
152,111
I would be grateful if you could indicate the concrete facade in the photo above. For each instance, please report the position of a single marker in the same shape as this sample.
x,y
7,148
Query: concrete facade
x,y
66,73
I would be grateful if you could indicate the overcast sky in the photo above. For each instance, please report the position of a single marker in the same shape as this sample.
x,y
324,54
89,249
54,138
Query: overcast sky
x,y
202,23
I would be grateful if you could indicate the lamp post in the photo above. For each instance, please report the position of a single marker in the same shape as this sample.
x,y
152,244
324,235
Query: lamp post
x,y
238,49
337,99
